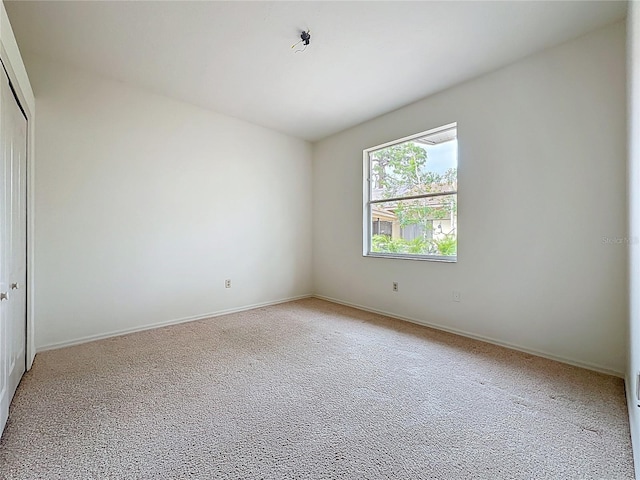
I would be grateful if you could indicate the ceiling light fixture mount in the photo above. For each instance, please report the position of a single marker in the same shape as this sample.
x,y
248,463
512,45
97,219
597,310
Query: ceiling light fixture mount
x,y
305,38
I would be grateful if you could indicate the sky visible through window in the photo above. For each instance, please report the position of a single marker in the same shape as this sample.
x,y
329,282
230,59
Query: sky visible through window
x,y
442,156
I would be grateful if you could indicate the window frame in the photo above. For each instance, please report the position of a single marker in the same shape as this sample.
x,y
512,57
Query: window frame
x,y
367,202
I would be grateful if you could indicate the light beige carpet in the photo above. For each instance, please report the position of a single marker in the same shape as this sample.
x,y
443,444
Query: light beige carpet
x,y
311,390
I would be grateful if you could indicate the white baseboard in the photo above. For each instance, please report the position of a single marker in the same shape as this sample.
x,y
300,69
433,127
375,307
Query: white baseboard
x,y
114,333
539,353
150,326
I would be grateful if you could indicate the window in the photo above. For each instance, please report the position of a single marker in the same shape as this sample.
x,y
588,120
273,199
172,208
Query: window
x,y
411,197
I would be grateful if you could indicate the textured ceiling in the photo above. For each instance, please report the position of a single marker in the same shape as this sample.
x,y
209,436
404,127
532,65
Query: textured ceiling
x,y
365,58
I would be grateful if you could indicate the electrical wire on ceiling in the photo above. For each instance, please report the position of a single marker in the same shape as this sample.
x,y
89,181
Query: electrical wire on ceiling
x,y
305,38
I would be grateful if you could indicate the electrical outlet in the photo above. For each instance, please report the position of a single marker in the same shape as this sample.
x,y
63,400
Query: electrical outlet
x,y
395,286
227,284
456,296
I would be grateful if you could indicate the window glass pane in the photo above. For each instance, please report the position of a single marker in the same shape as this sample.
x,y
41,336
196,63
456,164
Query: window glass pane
x,y
415,167
424,226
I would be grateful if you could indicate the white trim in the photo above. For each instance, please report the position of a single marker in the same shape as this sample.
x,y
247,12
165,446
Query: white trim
x,y
12,61
366,206
633,165
633,404
449,126
400,256
151,326
538,353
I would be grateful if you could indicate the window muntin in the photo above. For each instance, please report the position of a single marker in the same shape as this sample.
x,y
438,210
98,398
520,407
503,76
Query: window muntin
x,y
411,197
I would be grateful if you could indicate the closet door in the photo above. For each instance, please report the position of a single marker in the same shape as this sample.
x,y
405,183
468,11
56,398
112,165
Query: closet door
x,y
5,216
17,124
13,141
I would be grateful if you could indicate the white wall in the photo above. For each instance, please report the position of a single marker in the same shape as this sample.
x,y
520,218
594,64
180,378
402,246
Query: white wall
x,y
541,181
633,92
146,205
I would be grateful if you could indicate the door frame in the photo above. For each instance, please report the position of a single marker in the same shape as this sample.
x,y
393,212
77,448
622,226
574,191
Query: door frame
x,y
17,73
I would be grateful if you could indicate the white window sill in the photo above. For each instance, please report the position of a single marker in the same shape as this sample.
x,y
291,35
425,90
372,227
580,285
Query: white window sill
x,y
428,258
